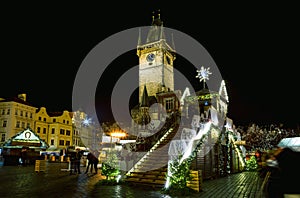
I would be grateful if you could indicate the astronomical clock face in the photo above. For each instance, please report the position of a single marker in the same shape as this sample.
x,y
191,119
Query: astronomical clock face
x,y
150,57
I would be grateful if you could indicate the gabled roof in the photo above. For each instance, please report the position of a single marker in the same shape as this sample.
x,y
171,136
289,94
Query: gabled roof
x,y
26,138
55,114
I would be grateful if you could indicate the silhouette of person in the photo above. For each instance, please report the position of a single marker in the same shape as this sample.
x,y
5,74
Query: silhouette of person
x,y
78,156
92,163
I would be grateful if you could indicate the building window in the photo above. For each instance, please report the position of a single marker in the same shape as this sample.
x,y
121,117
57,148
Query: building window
x,y
26,114
30,115
52,142
169,104
16,112
44,130
3,111
67,121
68,132
64,121
53,131
4,124
2,137
18,124
61,142
67,143
39,129
28,125
23,125
54,120
62,131
40,118
8,111
44,119
21,113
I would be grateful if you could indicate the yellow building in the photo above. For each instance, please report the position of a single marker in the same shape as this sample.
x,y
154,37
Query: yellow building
x,y
16,114
55,128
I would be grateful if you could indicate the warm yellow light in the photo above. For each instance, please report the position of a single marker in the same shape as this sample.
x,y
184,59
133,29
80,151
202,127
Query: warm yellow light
x,y
118,134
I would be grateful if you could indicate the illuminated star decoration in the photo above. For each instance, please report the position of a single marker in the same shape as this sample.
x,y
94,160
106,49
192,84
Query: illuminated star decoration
x,y
203,75
86,121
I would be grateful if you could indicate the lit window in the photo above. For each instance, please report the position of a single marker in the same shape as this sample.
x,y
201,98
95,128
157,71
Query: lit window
x,y
169,104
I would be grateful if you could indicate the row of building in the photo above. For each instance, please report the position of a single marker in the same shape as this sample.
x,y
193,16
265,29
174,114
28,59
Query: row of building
x,y
58,129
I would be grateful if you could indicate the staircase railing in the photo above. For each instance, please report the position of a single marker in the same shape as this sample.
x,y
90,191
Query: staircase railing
x,y
151,150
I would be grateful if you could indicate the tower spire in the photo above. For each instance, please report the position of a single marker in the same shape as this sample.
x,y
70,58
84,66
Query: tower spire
x,y
145,102
173,43
139,39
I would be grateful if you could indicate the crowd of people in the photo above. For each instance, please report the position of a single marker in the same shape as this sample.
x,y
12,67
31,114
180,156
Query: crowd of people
x,y
265,137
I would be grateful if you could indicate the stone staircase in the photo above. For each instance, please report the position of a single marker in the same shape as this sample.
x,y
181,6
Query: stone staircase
x,y
151,170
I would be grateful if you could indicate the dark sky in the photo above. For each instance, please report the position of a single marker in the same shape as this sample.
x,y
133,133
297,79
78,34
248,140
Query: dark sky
x,y
255,47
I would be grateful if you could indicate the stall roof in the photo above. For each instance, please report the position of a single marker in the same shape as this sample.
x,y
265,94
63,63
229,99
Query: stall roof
x,y
292,143
26,138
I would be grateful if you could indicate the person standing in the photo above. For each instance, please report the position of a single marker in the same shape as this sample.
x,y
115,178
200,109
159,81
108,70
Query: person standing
x,y
78,156
95,162
72,155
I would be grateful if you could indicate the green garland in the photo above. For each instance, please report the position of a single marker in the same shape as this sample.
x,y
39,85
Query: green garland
x,y
180,171
192,99
251,164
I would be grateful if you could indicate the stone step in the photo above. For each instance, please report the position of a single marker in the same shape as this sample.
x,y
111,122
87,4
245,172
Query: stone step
x,y
158,176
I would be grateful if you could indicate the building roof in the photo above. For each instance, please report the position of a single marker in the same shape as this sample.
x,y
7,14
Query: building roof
x,y
26,138
16,99
156,31
55,114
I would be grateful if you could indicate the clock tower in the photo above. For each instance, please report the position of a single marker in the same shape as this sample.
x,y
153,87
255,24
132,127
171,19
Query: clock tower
x,y
156,59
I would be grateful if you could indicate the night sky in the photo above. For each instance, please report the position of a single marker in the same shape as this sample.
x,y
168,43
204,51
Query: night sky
x,y
255,47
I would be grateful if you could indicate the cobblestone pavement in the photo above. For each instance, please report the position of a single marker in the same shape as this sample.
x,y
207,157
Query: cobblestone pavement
x,y
19,181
